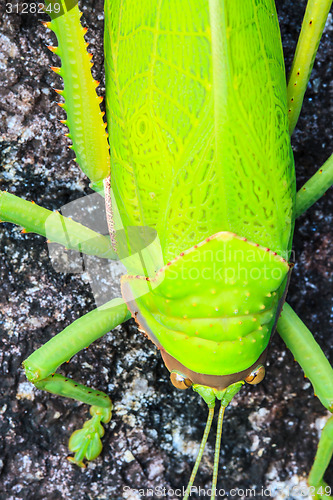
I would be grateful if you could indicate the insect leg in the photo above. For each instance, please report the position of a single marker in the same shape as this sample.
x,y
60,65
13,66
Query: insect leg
x,y
82,105
322,460
58,229
40,369
320,373
312,28
315,187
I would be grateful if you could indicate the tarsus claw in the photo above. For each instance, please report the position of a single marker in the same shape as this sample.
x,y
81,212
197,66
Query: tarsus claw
x,y
86,442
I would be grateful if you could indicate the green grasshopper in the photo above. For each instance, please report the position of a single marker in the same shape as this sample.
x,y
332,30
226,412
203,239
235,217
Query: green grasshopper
x,y
219,379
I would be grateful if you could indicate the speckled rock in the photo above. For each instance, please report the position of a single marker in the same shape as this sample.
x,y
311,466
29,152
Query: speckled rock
x,y
270,431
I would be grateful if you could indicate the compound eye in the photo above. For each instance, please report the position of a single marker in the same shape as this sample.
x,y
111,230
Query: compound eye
x,y
256,375
180,381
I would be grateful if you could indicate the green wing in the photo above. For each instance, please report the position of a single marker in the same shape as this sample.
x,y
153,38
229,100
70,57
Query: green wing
x,y
196,104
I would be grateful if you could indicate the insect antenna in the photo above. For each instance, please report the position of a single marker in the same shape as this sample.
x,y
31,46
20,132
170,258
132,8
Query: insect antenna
x,y
217,449
200,453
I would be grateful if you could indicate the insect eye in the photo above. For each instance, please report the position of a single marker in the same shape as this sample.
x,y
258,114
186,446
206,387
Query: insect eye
x,y
180,381
256,375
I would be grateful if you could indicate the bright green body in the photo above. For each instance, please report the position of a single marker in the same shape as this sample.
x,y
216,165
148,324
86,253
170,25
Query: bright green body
x,y
200,155
200,144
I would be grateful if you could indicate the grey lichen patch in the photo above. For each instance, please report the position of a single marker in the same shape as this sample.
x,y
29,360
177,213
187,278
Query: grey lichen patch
x,y
136,395
293,488
128,456
259,418
26,391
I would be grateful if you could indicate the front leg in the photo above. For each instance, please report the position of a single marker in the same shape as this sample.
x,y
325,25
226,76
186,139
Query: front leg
x,y
316,367
40,369
322,460
55,227
312,28
315,187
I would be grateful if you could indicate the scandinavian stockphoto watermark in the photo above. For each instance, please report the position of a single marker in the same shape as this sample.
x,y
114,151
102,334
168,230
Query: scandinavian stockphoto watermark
x,y
88,250
168,492
297,490
54,7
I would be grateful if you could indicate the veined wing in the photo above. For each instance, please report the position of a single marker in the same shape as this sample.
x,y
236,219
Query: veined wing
x,y
197,107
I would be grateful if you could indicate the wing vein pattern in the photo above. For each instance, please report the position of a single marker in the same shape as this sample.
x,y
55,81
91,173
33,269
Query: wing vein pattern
x,y
197,119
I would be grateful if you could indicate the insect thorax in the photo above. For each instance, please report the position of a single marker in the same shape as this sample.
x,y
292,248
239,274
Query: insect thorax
x,y
213,308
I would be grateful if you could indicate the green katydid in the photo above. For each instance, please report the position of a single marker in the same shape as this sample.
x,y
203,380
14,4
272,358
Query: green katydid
x,y
227,243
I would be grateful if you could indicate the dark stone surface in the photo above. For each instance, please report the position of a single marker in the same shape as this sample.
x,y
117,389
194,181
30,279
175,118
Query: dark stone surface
x,y
270,431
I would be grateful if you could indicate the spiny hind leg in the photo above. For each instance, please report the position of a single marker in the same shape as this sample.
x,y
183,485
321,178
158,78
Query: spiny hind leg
x,y
316,367
40,369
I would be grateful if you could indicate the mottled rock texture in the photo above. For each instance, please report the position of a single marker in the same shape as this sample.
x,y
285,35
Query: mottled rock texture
x,y
270,431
